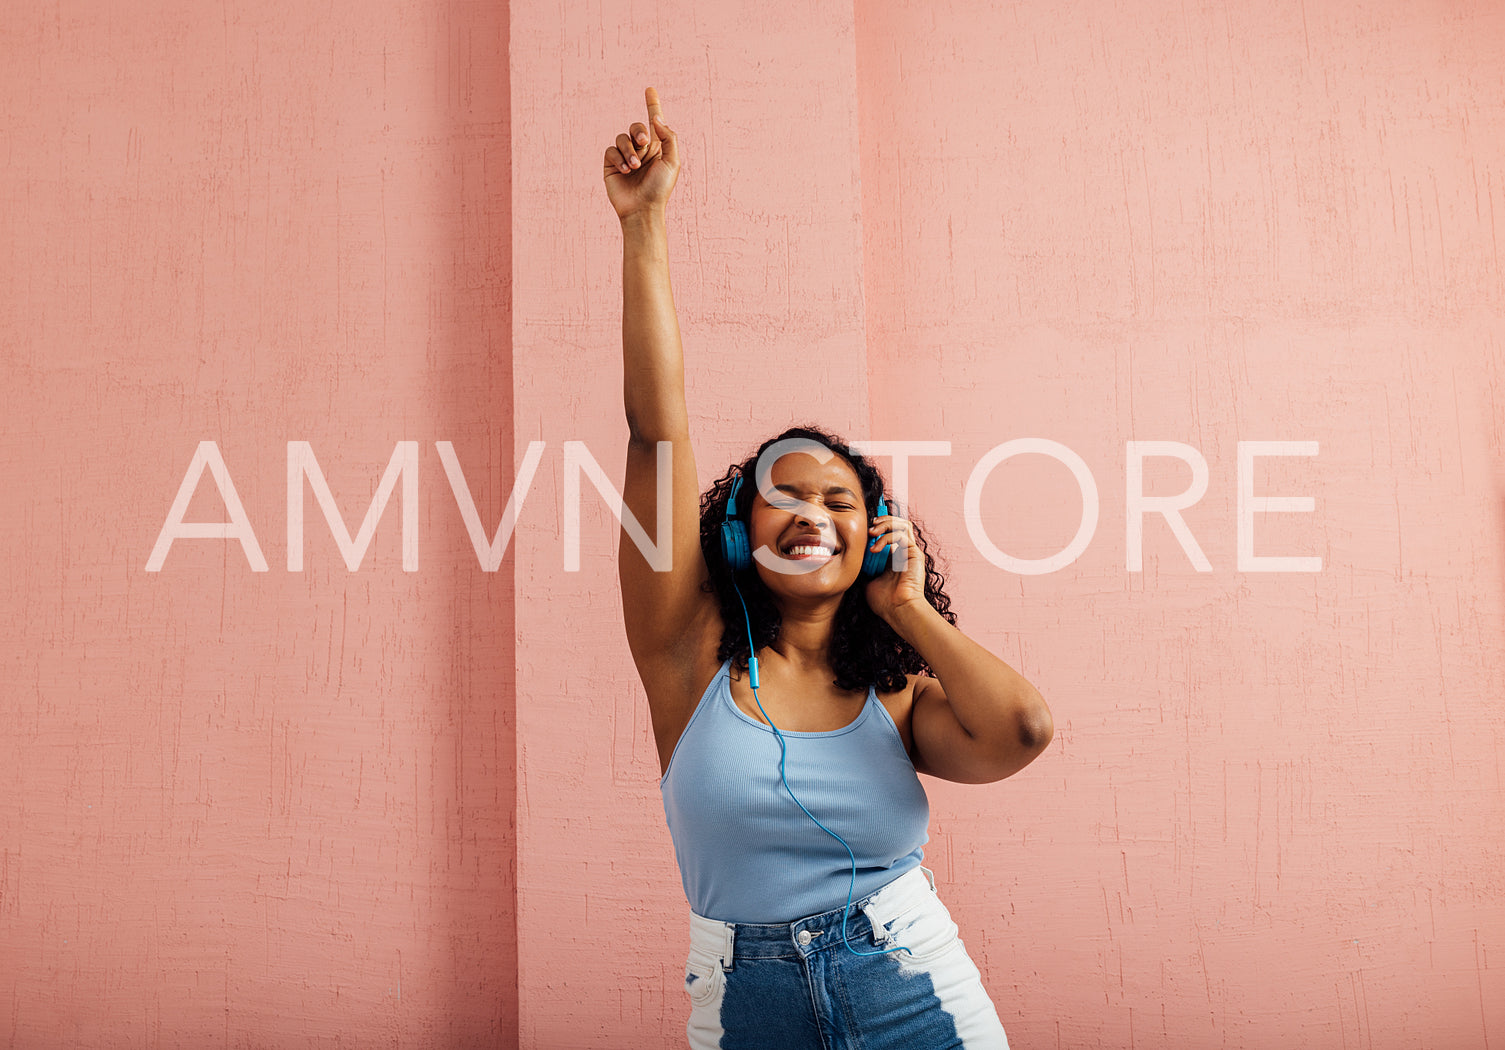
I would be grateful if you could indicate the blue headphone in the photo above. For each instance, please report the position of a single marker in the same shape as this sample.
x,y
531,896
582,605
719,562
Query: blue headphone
x,y
736,548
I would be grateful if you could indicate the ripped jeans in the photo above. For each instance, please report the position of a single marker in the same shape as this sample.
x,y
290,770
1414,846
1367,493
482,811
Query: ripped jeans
x,y
795,986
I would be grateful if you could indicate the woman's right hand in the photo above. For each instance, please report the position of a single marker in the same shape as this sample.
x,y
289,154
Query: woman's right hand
x,y
641,169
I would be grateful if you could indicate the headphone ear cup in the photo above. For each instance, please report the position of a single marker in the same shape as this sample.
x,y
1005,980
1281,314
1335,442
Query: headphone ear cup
x,y
875,562
735,545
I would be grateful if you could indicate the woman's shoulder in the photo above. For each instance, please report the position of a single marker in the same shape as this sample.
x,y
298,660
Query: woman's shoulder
x,y
911,681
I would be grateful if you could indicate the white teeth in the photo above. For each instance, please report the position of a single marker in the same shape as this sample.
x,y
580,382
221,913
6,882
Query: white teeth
x,y
806,552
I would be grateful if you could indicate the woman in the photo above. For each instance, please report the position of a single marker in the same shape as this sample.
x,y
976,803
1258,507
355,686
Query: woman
x,y
786,671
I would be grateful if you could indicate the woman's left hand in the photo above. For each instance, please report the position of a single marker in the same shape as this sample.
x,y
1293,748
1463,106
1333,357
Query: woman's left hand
x,y
893,587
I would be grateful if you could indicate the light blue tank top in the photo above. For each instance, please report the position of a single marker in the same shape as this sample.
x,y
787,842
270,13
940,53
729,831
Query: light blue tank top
x,y
746,852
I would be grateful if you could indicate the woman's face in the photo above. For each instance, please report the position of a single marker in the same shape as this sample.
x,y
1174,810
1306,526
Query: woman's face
x,y
820,545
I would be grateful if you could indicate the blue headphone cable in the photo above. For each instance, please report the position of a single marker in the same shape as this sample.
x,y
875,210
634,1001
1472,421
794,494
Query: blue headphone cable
x,y
752,676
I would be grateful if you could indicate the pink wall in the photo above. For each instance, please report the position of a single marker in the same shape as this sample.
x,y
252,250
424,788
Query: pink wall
x,y
241,808
1274,808
280,808
767,271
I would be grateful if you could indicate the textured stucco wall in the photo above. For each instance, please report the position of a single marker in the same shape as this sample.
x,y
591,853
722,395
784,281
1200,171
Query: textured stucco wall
x,y
766,244
1273,811
1269,817
240,808
282,808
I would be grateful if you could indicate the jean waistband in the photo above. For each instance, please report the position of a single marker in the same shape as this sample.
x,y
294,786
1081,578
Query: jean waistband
x,y
866,923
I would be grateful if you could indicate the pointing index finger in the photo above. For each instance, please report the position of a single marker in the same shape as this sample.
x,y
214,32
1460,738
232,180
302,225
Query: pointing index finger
x,y
655,109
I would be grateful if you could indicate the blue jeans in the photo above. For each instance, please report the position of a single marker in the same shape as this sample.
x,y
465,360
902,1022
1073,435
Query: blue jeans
x,y
795,986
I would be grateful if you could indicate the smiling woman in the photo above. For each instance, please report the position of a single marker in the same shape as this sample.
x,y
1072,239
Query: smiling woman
x,y
825,504
802,664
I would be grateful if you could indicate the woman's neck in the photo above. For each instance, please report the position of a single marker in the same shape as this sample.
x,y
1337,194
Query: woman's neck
x,y
805,636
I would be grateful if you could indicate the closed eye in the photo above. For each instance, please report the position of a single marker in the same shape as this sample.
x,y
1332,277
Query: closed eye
x,y
789,504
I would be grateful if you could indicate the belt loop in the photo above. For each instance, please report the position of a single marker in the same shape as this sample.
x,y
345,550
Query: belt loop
x,y
880,931
728,946
930,875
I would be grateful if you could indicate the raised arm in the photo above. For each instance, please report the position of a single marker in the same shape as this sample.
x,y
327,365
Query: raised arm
x,y
666,613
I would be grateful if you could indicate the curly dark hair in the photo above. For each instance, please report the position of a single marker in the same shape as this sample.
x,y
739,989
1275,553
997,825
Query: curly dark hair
x,y
864,650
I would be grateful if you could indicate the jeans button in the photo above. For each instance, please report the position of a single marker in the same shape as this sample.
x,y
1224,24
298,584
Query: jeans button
x,y
804,938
